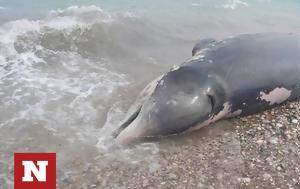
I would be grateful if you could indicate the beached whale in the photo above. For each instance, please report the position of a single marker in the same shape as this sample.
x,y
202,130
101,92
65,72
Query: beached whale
x,y
240,75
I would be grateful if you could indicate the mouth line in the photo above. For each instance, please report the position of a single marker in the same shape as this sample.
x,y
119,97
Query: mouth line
x,y
126,123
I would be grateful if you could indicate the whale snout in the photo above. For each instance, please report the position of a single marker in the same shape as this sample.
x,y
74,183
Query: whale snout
x,y
141,124
134,132
131,129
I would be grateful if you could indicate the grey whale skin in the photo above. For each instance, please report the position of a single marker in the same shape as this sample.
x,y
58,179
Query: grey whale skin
x,y
237,76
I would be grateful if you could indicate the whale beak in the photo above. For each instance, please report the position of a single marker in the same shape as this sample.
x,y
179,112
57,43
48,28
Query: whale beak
x,y
132,130
128,120
132,133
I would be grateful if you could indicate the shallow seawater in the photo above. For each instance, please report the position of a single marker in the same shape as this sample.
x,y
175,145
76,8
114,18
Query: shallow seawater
x,y
70,69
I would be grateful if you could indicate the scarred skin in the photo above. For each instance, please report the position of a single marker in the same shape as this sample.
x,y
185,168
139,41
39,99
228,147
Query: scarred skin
x,y
241,75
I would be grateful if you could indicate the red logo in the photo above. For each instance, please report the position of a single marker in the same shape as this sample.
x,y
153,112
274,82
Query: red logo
x,y
35,171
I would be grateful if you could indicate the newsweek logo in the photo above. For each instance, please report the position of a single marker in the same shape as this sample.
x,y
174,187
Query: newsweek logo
x,y
35,170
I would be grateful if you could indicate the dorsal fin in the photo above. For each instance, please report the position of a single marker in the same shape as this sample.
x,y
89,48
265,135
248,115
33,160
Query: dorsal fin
x,y
204,43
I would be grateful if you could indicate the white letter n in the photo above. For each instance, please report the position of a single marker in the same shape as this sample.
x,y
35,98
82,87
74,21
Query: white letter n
x,y
39,173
